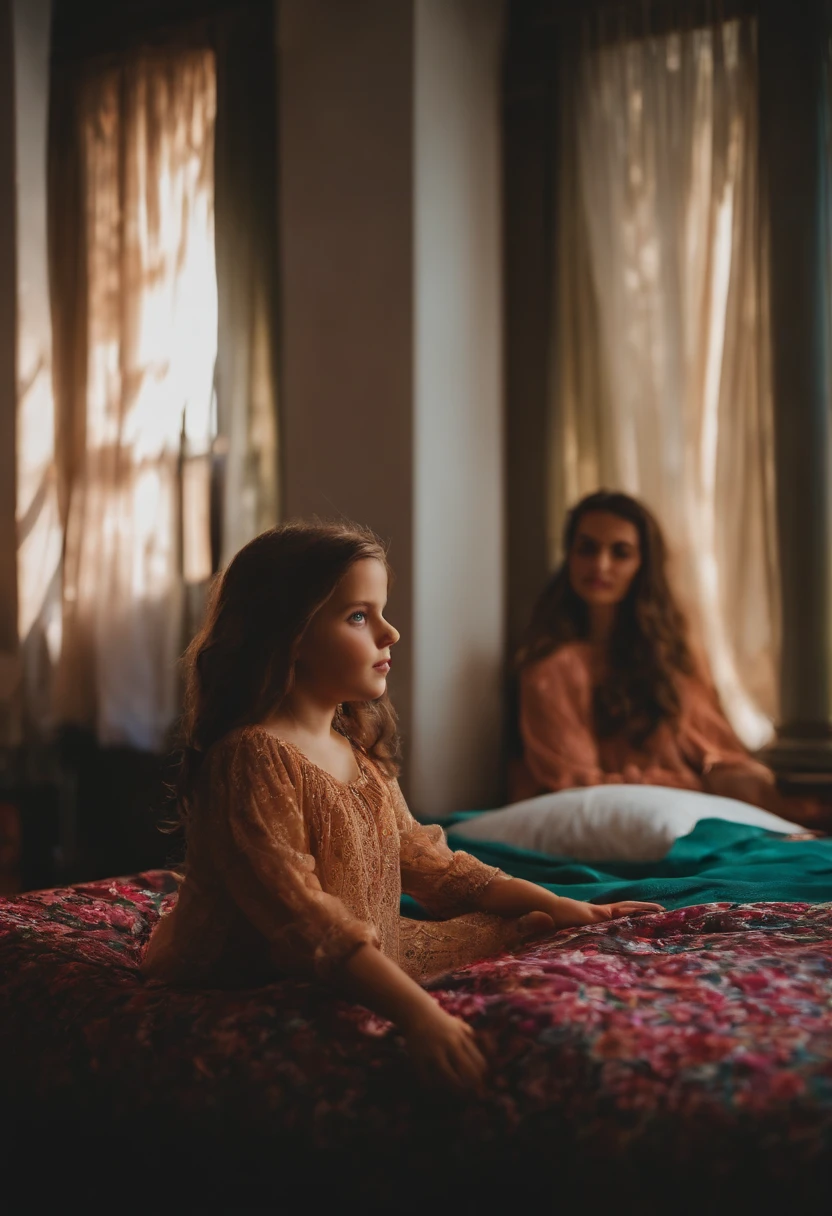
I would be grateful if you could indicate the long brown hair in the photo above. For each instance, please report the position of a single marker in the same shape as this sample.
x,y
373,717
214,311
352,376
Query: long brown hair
x,y
240,665
649,645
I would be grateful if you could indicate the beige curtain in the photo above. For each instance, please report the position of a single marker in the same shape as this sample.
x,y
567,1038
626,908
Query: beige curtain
x,y
660,375
135,313
39,531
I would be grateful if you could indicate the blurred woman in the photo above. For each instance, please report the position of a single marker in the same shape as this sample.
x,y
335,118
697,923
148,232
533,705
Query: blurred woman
x,y
610,688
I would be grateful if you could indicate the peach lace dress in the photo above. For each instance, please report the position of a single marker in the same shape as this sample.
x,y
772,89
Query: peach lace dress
x,y
561,749
290,871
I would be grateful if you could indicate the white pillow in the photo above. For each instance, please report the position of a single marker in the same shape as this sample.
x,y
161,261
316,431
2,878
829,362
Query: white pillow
x,y
611,822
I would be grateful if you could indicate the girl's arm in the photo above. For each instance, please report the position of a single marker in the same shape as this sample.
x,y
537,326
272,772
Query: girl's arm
x,y
444,882
448,883
516,897
442,1046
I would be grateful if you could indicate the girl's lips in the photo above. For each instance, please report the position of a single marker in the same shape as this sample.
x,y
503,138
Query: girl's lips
x,y
383,667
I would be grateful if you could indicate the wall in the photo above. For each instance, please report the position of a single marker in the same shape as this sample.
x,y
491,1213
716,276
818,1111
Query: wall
x,y
390,347
345,82
458,407
391,367
529,128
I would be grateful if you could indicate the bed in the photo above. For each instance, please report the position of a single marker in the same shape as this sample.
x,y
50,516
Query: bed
x,y
681,1059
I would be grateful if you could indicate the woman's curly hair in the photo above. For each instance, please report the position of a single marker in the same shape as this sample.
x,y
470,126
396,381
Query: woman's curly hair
x,y
649,645
241,664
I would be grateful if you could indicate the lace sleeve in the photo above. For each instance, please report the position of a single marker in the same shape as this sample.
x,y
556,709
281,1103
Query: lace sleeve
x,y
443,882
260,845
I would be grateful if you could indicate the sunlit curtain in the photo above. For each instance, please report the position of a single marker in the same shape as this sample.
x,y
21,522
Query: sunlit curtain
x,y
135,306
39,529
660,373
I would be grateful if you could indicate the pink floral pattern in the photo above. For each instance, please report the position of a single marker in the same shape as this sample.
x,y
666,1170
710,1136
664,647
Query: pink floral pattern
x,y
674,1058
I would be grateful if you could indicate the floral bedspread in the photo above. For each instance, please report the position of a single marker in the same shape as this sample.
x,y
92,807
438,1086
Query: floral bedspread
x,y
684,1058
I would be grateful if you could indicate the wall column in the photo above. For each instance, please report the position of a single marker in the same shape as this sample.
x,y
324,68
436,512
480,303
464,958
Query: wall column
x,y
458,503
390,355
794,144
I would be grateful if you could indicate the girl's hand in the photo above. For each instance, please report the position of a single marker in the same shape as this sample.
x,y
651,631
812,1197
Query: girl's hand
x,y
629,907
575,912
444,1049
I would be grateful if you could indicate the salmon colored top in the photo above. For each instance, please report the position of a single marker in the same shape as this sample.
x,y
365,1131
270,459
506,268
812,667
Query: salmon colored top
x,y
561,749
290,871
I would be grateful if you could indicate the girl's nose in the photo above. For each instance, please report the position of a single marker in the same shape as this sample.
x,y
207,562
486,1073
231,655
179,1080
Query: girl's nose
x,y
392,635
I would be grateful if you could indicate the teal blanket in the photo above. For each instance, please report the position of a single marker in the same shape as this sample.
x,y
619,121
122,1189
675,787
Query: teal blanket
x,y
718,862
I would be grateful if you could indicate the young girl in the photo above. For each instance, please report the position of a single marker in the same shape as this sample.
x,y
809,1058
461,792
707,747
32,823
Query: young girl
x,y
299,842
609,687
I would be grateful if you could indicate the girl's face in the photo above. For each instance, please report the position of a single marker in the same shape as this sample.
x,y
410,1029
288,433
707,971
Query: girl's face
x,y
604,559
345,652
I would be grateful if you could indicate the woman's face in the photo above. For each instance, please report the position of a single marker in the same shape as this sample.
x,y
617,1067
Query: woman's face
x,y
604,559
345,653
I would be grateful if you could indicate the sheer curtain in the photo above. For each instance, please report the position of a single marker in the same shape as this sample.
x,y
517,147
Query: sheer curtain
x,y
39,530
660,376
135,311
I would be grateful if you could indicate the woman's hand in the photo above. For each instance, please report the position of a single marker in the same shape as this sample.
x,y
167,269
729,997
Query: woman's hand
x,y
444,1050
754,785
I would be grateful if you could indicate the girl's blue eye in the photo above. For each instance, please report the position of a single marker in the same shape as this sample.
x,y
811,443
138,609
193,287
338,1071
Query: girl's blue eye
x,y
358,618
